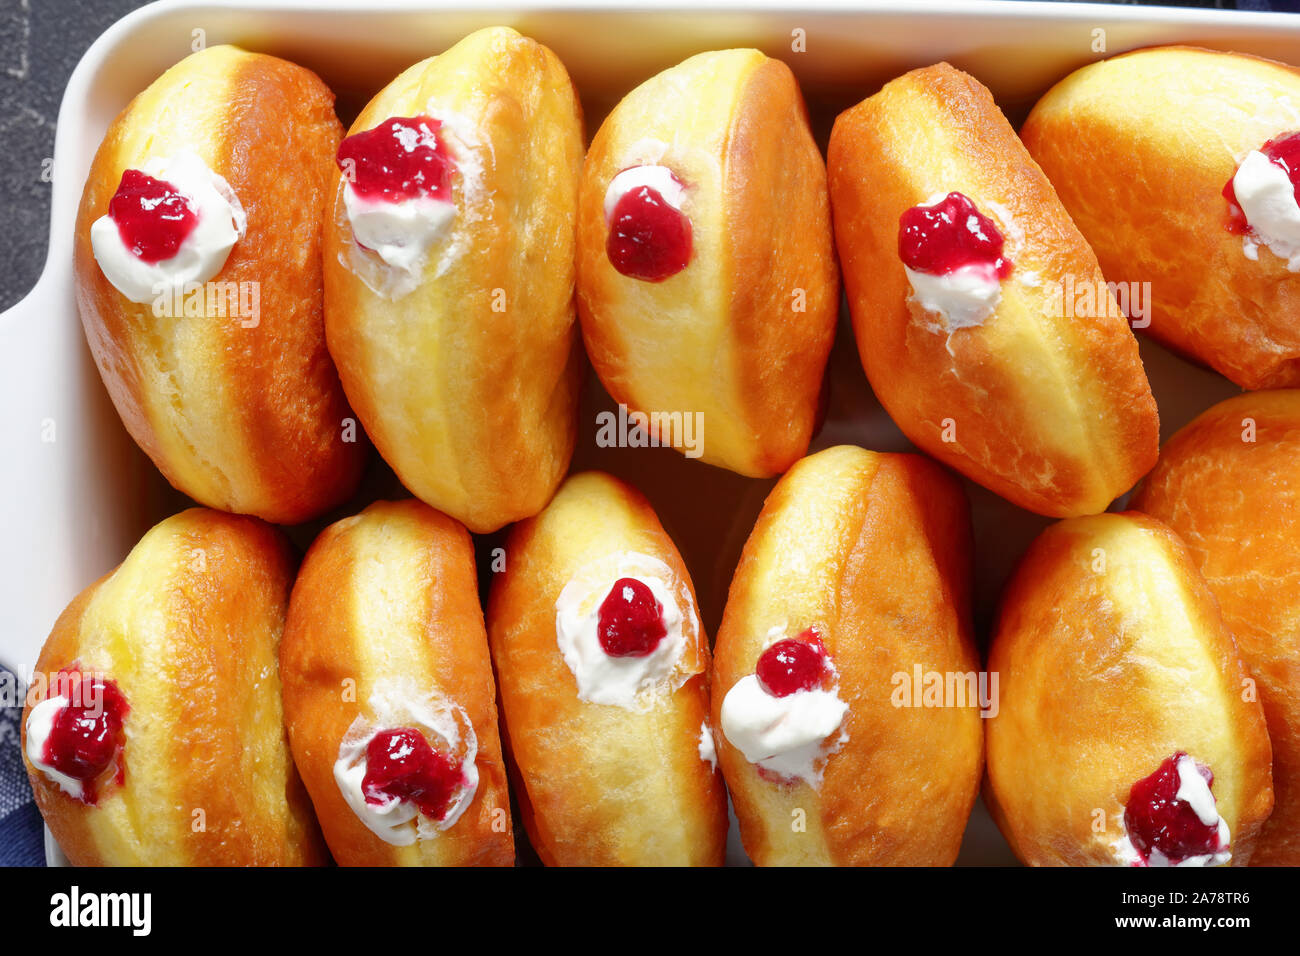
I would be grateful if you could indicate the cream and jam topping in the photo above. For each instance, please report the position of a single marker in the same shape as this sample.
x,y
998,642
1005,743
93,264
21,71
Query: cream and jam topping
x,y
955,259
785,716
621,625
407,766
1264,199
76,737
401,764
1171,819
171,222
397,190
649,236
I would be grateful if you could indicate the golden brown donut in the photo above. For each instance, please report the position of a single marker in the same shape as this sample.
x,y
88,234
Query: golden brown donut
x,y
195,767
384,634
869,554
611,754
1140,148
1113,660
226,385
738,334
459,350
1053,413
1227,483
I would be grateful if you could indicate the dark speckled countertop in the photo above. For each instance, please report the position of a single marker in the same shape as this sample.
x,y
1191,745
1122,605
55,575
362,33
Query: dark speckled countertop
x,y
40,43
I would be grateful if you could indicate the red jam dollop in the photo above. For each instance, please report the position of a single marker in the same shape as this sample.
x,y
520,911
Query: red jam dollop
x,y
402,765
152,216
1284,151
630,622
86,736
793,664
1157,820
948,236
401,158
649,238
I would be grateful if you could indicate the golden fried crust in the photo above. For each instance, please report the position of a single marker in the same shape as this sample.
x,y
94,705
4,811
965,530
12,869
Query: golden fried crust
x,y
392,594
1227,484
468,384
188,626
1143,177
1052,413
246,419
1112,656
599,784
740,335
874,551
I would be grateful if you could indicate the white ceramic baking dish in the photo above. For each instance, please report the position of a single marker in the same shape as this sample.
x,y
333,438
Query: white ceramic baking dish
x,y
77,493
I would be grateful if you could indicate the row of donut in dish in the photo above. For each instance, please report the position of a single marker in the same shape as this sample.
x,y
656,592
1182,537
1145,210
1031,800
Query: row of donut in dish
x,y
843,704
426,269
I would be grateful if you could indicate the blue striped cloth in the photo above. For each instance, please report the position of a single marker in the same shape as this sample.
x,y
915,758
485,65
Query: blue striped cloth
x,y
21,836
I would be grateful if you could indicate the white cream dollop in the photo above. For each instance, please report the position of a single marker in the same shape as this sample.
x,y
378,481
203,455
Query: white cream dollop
x,y
40,721
392,705
1195,792
394,240
400,233
784,735
200,256
1268,201
634,683
707,747
961,299
1126,854
658,178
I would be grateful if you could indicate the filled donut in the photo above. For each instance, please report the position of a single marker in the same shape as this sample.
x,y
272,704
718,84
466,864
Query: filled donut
x,y
449,245
154,735
955,251
388,693
602,668
850,604
707,283
198,278
1128,733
